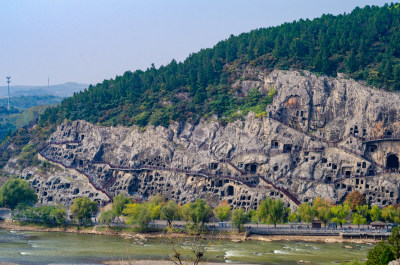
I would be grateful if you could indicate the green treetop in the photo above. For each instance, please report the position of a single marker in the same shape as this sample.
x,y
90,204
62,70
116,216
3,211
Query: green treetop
x,y
16,191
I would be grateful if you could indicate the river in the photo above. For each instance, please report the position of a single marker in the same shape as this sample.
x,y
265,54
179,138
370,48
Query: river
x,y
56,248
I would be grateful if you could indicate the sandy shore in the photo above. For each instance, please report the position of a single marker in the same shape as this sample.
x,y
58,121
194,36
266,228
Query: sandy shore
x,y
234,236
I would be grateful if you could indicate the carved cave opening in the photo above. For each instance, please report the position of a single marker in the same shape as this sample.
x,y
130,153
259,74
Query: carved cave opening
x,y
392,162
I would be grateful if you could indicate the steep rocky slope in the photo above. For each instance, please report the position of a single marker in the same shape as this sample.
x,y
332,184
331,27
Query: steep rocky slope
x,y
320,137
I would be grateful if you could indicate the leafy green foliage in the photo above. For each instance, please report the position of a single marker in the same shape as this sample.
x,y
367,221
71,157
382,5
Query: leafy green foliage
x,y
381,254
394,242
272,211
140,214
16,191
43,214
306,212
359,219
107,217
197,212
375,213
364,44
340,213
83,209
118,205
388,213
384,252
223,211
169,211
238,218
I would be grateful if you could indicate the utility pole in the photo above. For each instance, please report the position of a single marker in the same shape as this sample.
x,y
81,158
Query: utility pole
x,y
8,83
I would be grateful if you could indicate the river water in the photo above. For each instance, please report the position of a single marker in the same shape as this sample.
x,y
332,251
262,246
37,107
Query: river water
x,y
68,248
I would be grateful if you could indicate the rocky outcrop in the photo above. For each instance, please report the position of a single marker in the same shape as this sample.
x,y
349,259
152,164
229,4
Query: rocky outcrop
x,y
321,136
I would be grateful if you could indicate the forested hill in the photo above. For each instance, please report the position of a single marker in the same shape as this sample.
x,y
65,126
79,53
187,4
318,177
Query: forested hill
x,y
365,44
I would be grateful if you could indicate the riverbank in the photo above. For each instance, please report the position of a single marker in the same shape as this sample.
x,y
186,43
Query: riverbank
x,y
232,236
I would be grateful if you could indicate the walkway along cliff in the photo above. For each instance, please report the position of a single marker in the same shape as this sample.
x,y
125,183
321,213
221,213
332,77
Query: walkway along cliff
x,y
320,136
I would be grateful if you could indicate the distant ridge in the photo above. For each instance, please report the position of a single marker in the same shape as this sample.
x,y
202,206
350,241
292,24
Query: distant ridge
x,y
61,90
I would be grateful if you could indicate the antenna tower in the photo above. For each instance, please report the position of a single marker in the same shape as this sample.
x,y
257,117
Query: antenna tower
x,y
8,84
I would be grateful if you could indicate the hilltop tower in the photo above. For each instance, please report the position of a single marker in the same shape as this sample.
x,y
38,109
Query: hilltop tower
x,y
8,84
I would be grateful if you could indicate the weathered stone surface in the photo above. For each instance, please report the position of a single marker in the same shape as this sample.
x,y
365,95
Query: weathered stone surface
x,y
318,131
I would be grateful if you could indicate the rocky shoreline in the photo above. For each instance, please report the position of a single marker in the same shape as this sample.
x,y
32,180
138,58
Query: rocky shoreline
x,y
233,236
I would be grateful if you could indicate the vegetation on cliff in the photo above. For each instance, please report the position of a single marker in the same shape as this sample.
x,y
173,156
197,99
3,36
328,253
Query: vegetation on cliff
x,y
364,44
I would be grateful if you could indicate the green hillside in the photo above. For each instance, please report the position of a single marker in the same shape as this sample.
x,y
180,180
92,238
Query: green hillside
x,y
23,110
364,44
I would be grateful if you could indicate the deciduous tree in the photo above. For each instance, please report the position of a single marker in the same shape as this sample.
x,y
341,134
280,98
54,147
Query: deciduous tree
x,y
83,209
223,211
16,191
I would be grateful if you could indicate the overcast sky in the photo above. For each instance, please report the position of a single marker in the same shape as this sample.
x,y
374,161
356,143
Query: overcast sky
x,y
87,41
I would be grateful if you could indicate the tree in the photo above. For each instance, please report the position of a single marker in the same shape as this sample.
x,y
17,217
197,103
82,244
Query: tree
x,y
107,217
272,210
59,214
294,217
319,202
354,199
190,249
362,210
394,242
358,219
254,216
169,212
381,254
83,209
118,205
340,213
197,212
223,211
397,215
16,191
238,218
306,212
324,214
139,214
375,213
388,213
44,213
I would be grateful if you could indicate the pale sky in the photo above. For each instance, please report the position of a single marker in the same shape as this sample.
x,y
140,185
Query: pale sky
x,y
87,41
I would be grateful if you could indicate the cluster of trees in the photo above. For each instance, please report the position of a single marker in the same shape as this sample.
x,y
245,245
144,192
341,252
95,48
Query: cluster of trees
x,y
17,195
43,214
82,211
17,191
385,252
198,212
365,44
353,210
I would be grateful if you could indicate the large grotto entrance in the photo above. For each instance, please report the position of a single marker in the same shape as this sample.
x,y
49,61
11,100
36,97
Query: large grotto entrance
x,y
392,162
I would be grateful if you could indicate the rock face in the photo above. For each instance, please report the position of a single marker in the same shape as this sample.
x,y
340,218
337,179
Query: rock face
x,y
320,137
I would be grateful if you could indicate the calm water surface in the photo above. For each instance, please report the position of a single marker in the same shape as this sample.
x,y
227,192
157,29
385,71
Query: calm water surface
x,y
55,247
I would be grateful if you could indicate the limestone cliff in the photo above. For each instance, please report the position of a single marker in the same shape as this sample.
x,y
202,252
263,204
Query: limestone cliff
x,y
321,136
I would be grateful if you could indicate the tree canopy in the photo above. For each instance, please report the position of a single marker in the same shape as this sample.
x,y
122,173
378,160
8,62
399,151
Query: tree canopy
x,y
16,191
83,209
365,44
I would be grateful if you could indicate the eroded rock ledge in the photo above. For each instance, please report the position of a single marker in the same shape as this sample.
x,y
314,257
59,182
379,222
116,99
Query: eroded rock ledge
x,y
321,137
